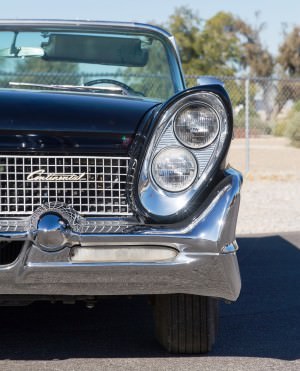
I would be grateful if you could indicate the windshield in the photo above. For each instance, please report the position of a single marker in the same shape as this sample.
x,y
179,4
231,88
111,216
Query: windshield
x,y
132,64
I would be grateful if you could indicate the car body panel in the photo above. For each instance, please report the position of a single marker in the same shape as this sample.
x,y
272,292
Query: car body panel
x,y
61,122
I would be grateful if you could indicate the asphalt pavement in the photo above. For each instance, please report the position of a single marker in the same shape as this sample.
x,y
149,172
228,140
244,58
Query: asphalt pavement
x,y
261,331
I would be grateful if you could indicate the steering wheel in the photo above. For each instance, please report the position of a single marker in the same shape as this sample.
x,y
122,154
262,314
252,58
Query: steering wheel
x,y
125,88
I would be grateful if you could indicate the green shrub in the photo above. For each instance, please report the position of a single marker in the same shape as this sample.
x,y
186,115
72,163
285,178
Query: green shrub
x,y
257,125
293,129
279,129
296,106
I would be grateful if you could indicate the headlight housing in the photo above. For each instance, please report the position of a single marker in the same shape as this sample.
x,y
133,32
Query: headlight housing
x,y
191,136
174,169
196,125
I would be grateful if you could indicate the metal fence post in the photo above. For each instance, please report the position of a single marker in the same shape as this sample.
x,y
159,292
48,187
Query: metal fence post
x,y
247,126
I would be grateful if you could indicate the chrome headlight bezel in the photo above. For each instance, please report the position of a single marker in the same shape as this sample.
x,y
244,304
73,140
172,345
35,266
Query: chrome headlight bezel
x,y
190,180
200,106
157,204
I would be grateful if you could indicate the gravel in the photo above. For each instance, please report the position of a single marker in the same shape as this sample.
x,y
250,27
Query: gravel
x,y
271,190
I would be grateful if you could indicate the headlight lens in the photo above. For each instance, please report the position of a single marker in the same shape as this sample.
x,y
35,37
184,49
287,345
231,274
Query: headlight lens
x,y
174,169
196,126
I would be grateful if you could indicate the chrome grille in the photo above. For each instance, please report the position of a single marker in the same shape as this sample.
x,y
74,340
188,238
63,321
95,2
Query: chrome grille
x,y
101,191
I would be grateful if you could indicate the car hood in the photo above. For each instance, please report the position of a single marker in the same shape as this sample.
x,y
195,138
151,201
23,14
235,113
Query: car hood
x,y
59,122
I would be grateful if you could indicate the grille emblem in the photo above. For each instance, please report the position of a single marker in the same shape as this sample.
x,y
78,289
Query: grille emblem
x,y
41,175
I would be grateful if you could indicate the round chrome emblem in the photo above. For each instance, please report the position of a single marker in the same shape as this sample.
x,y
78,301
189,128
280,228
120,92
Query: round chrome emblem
x,y
52,232
54,226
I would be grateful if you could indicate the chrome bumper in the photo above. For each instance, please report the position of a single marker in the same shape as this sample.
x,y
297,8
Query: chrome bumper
x,y
205,264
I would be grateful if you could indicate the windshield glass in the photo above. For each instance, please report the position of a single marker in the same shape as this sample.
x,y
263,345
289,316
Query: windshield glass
x,y
132,64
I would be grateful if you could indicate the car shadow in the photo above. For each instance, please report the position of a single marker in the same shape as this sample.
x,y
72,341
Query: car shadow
x,y
265,322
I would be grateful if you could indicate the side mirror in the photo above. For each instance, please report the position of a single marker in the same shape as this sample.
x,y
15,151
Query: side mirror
x,y
209,80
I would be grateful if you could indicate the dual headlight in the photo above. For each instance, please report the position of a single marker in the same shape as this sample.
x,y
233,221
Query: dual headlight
x,y
191,136
175,168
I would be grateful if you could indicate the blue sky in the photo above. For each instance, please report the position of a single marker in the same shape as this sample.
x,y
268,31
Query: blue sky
x,y
274,13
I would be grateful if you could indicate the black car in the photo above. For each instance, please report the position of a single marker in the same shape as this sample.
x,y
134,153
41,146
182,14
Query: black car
x,y
113,175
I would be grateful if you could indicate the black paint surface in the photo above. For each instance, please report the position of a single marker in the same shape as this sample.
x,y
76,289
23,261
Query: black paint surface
x,y
68,122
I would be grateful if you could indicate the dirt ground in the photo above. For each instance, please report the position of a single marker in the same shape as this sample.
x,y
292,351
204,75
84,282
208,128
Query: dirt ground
x,y
271,189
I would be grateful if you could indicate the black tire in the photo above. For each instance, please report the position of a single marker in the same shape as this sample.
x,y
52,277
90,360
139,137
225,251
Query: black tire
x,y
186,323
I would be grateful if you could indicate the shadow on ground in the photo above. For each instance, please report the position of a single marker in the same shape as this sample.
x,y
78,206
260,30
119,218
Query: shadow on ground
x,y
265,322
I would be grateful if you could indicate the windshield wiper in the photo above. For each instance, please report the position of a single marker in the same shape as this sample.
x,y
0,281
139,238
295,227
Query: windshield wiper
x,y
103,89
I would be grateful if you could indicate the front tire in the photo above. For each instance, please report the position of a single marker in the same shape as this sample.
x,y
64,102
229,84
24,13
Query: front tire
x,y
186,323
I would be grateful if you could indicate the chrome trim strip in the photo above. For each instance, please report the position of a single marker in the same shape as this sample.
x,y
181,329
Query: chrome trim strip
x,y
85,22
87,226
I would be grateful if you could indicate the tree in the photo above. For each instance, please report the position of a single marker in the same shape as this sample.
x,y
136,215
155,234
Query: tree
x,y
256,59
221,45
209,48
289,53
289,59
255,56
185,27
